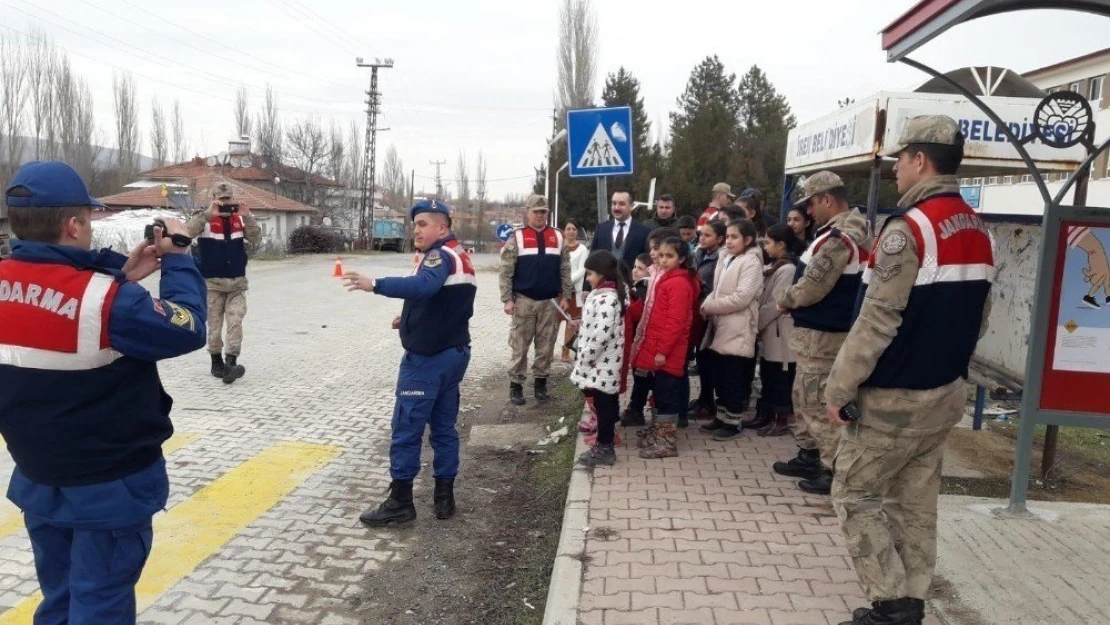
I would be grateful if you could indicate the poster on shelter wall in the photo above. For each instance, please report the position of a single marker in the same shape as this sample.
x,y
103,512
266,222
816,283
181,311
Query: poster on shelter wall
x,y
1083,309
1076,372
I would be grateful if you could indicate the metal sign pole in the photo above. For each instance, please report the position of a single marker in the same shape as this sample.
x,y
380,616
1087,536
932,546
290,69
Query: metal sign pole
x,y
602,199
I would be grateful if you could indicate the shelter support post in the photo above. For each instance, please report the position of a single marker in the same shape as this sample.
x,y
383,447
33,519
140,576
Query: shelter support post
x,y
788,184
873,192
980,404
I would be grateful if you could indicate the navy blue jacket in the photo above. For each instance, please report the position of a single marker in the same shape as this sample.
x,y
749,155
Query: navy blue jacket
x,y
439,299
836,311
222,248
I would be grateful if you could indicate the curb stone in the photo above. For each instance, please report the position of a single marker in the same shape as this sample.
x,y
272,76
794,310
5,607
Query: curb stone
x,y
565,589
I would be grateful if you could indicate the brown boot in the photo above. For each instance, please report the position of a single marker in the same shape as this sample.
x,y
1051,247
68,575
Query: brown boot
x,y
779,427
761,419
665,444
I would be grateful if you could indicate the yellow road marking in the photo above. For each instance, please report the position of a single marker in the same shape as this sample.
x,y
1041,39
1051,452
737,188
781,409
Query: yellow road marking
x,y
195,529
11,519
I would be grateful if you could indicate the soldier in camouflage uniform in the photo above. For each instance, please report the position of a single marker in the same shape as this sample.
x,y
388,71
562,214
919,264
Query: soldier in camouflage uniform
x,y
821,300
926,305
222,237
535,270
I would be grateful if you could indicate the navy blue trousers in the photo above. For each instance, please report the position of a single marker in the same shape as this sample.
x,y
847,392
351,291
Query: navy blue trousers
x,y
427,398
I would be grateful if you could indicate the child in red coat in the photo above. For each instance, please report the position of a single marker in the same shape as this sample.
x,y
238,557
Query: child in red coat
x,y
662,340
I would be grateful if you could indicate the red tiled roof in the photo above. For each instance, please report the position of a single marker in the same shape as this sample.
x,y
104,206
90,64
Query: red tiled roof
x,y
201,188
258,171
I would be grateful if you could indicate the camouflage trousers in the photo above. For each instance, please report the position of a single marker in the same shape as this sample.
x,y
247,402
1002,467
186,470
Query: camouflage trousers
x,y
534,322
233,306
887,482
813,430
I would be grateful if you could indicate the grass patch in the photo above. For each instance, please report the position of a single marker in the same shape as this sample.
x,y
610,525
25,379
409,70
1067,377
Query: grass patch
x,y
551,477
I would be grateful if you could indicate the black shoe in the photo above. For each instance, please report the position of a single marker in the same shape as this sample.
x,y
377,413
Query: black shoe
x,y
218,366
397,510
820,485
807,465
234,370
727,432
760,419
1091,302
516,394
683,421
541,389
632,418
895,612
712,426
444,499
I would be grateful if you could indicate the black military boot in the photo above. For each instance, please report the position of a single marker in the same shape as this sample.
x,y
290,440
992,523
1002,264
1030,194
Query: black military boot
x,y
541,390
218,367
895,612
820,485
444,499
516,394
807,464
397,510
233,371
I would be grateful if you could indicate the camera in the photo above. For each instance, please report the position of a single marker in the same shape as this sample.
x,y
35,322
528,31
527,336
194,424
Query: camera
x,y
850,412
229,209
179,240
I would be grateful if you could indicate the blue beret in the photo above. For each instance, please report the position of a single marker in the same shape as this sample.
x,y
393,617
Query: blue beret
x,y
429,206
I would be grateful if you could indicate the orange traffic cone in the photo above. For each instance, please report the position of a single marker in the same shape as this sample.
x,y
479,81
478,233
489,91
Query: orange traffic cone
x,y
338,273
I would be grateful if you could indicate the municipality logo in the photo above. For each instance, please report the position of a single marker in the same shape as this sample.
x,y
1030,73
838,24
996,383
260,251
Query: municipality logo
x,y
601,151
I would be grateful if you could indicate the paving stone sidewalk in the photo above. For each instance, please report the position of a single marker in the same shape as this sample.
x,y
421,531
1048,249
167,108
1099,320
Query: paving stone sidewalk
x,y
713,537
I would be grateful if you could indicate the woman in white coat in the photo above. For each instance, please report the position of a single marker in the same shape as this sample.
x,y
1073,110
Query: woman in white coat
x,y
732,310
577,253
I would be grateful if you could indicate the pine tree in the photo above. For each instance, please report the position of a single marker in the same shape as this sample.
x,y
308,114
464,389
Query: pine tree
x,y
703,134
764,120
623,89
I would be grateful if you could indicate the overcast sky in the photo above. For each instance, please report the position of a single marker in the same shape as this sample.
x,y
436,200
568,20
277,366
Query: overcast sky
x,y
479,75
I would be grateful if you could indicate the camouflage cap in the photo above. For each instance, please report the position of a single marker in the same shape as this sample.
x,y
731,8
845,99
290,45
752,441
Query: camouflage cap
x,y
222,191
937,129
821,182
723,187
536,202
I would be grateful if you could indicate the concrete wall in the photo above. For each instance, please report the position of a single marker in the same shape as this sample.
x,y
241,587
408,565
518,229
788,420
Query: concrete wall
x,y
1017,248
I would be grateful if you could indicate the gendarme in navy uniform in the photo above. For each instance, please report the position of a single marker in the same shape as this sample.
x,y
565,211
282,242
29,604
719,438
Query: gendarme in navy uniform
x,y
435,332
83,410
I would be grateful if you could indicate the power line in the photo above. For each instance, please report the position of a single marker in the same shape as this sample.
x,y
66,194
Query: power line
x,y
334,27
300,17
438,178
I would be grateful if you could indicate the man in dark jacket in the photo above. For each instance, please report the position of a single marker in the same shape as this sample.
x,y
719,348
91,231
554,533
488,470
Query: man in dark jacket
x,y
625,237
665,216
83,410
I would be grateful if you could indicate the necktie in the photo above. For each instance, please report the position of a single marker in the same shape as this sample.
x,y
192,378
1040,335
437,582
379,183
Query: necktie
x,y
619,242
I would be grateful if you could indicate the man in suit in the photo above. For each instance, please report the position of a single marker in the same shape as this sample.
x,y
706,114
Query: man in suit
x,y
621,235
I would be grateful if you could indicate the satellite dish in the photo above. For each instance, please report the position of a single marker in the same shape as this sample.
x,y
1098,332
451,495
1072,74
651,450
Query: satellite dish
x,y
211,161
225,158
327,221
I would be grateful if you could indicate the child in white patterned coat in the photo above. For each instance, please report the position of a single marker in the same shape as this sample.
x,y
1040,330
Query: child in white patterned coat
x,y
598,367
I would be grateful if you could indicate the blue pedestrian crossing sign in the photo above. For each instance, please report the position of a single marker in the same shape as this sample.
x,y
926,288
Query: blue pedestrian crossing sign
x,y
600,141
504,231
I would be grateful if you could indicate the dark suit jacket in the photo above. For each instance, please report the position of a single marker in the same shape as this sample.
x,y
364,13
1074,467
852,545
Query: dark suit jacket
x,y
635,240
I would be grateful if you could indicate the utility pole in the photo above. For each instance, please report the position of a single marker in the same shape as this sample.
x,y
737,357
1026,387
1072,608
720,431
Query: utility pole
x,y
439,179
369,177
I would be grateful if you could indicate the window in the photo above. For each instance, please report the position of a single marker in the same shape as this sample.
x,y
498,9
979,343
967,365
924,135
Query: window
x,y
1076,87
1027,178
992,180
1095,93
977,181
1008,180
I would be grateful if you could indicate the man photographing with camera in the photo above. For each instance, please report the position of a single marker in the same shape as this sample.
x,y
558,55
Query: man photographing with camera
x,y
222,233
83,411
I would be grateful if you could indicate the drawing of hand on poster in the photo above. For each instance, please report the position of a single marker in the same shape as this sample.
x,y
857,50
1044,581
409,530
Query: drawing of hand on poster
x,y
1083,321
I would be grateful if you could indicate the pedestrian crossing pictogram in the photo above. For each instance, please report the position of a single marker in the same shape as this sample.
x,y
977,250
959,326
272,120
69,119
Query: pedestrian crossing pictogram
x,y
600,152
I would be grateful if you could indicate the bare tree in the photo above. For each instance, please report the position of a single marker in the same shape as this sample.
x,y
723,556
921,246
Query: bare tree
x,y
158,143
337,153
42,64
242,113
308,150
180,147
393,178
480,191
462,183
13,101
127,126
354,172
267,129
577,55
